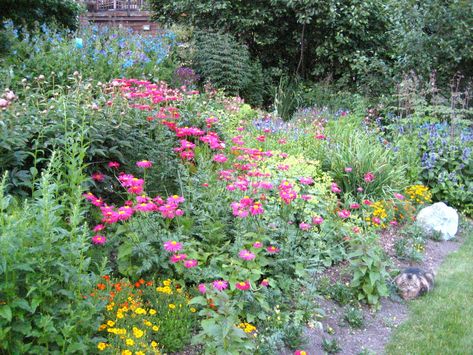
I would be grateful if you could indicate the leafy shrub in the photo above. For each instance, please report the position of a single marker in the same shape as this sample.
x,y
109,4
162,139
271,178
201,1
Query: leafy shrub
x,y
354,317
369,271
220,59
410,243
331,346
45,268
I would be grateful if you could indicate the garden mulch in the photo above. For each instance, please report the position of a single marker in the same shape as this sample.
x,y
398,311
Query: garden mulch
x,y
378,325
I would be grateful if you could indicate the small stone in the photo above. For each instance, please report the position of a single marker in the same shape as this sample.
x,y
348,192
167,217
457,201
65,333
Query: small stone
x,y
438,218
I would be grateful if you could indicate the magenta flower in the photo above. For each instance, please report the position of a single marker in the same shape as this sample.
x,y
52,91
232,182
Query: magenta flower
x,y
177,257
393,223
145,164
369,177
399,196
243,285
190,263
220,158
282,141
367,202
99,239
113,165
343,214
356,230
359,189
172,246
354,206
97,176
348,169
264,283
304,226
272,249
376,220
98,228
220,285
320,136
202,288
256,209
246,255
335,188
317,220
257,245
261,138
306,180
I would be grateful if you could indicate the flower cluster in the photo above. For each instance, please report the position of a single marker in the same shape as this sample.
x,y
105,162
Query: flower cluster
x,y
419,194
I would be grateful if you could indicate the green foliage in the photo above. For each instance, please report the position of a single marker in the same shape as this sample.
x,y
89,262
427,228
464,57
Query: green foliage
x,y
331,346
354,317
45,269
24,12
410,243
369,271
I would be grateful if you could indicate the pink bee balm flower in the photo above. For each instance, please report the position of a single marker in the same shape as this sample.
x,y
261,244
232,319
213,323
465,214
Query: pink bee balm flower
x,y
367,202
393,223
99,239
354,206
145,164
243,285
399,196
172,246
257,245
348,169
98,228
220,285
246,255
190,263
343,214
317,220
335,189
202,288
282,141
177,257
304,226
356,230
359,189
306,197
264,283
301,352
272,249
376,220
369,177
98,177
220,158
113,165
261,138
320,136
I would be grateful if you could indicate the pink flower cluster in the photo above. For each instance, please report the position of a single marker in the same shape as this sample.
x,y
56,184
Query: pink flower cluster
x,y
245,207
286,192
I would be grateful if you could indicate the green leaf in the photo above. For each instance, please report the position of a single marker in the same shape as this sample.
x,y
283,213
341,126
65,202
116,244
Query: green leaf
x,y
5,312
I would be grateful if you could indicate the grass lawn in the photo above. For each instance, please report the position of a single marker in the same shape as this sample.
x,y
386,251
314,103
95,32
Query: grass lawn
x,y
442,322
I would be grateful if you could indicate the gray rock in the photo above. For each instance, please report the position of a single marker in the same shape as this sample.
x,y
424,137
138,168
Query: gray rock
x,y
438,218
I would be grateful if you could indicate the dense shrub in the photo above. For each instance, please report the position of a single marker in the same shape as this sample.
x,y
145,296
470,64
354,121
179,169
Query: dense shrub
x,y
24,12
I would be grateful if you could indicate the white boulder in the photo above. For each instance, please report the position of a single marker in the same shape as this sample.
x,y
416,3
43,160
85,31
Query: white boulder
x,y
438,218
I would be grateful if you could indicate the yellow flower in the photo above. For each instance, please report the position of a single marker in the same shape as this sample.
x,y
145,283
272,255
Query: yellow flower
x,y
120,315
102,327
193,310
126,352
101,346
110,323
139,353
171,305
165,289
155,328
138,333
154,344
152,312
140,311
167,282
110,306
148,323
130,342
